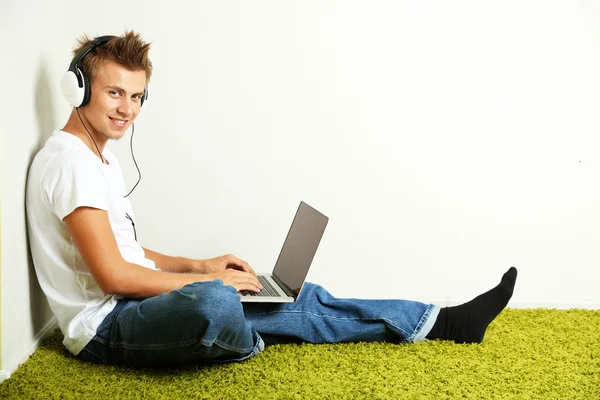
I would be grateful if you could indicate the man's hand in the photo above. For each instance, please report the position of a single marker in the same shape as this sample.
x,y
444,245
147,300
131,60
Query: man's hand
x,y
222,263
232,271
240,280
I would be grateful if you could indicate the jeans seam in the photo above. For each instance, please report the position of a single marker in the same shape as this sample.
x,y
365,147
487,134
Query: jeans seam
x,y
404,333
421,323
230,348
184,343
158,346
256,349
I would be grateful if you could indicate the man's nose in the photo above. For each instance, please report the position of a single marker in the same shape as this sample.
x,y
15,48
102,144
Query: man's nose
x,y
126,107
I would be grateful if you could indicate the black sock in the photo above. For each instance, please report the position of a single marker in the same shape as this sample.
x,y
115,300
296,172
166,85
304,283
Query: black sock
x,y
468,322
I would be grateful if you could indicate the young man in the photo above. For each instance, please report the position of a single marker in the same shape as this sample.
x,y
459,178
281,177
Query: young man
x,y
119,303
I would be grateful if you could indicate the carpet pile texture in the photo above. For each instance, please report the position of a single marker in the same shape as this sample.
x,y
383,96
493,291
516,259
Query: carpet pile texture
x,y
526,354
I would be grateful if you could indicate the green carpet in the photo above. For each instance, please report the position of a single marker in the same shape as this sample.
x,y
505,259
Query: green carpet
x,y
527,354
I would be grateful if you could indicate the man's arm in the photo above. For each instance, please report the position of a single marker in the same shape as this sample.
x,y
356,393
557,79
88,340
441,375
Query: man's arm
x,y
175,264
188,265
93,237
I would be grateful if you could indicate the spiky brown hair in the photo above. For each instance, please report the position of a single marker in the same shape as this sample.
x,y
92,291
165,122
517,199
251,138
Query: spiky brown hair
x,y
128,50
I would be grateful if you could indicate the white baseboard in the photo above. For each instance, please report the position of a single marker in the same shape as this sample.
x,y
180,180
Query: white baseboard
x,y
557,305
7,371
449,302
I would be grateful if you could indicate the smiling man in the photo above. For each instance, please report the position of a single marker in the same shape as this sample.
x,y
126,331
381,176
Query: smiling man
x,y
115,105
117,302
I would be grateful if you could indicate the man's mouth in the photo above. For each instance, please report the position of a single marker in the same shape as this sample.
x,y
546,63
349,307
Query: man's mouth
x,y
118,122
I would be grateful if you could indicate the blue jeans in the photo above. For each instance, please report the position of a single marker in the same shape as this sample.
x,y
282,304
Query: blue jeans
x,y
206,322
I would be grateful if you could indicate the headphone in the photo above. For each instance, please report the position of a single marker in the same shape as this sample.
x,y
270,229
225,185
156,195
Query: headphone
x,y
75,83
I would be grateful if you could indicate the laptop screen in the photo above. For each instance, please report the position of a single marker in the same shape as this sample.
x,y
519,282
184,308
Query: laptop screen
x,y
300,247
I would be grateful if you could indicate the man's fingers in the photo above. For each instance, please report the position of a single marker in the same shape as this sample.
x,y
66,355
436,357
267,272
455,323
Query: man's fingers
x,y
244,281
243,265
248,268
248,287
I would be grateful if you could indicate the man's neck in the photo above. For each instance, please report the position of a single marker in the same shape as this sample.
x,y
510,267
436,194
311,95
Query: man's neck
x,y
75,127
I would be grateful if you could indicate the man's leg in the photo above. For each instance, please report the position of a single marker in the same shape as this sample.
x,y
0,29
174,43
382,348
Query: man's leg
x,y
318,317
201,322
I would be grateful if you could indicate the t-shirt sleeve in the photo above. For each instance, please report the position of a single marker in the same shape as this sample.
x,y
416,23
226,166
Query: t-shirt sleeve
x,y
74,183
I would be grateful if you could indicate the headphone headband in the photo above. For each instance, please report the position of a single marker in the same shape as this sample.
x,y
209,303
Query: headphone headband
x,y
89,47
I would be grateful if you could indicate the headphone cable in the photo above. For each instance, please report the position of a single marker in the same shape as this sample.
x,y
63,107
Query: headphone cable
x,y
88,132
139,179
134,161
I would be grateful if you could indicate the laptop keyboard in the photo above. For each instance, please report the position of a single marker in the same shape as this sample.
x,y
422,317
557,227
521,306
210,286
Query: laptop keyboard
x,y
267,291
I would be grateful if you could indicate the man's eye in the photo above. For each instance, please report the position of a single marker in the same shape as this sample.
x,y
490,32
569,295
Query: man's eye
x,y
114,93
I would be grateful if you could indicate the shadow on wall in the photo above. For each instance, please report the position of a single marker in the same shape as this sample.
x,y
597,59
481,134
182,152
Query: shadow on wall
x,y
44,109
46,122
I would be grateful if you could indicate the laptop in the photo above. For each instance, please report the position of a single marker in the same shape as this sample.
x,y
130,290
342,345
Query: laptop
x,y
285,283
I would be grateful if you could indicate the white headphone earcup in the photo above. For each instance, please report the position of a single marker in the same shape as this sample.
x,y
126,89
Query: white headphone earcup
x,y
71,90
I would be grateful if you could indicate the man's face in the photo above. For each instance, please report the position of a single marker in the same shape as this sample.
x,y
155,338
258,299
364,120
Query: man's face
x,y
115,101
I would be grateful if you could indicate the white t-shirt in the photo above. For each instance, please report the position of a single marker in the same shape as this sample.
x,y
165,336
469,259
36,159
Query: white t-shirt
x,y
65,175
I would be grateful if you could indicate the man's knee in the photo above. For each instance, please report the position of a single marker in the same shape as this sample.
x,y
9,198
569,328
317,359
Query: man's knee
x,y
215,306
313,291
